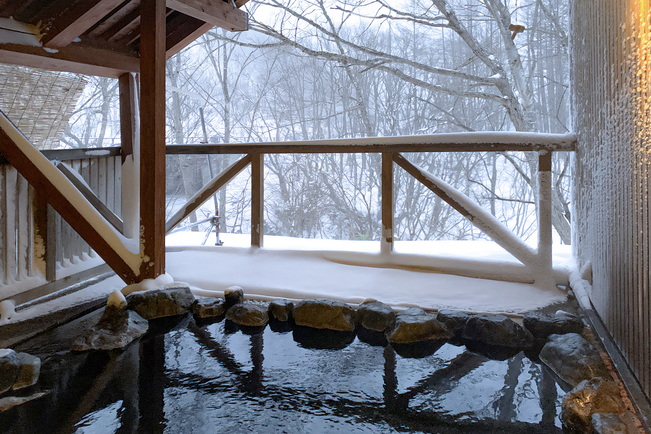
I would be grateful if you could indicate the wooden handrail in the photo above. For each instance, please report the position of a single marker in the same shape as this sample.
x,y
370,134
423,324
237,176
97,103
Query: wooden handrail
x,y
457,142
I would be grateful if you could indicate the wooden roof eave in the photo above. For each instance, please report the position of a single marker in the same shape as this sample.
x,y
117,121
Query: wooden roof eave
x,y
64,44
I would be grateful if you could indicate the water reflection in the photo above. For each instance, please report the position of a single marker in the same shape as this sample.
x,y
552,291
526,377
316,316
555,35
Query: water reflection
x,y
214,377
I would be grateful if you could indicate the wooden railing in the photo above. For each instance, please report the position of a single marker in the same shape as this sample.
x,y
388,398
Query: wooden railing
x,y
36,245
537,261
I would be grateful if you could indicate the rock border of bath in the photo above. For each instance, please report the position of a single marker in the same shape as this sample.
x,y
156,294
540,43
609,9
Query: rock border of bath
x,y
413,332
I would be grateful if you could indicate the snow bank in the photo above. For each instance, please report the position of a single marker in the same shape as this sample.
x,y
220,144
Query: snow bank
x,y
269,274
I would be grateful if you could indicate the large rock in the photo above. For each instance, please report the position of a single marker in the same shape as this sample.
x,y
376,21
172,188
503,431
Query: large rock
x,y
416,325
116,329
325,314
497,330
159,303
587,398
542,325
233,295
453,320
281,310
376,316
608,423
9,369
209,308
572,358
249,314
30,369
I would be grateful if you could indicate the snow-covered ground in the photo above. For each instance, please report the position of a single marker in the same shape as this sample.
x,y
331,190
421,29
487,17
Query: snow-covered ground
x,y
353,271
350,271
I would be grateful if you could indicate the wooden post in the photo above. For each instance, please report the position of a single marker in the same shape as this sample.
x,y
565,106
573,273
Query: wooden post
x,y
387,203
46,227
257,200
545,211
130,170
152,138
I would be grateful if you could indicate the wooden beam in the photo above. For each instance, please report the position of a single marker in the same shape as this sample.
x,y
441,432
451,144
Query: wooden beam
x,y
17,158
152,138
207,192
257,200
462,142
482,220
76,20
386,241
182,31
216,12
73,58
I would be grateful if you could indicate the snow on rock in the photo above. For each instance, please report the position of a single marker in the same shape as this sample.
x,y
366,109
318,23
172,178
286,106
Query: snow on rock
x,y
116,300
7,311
148,284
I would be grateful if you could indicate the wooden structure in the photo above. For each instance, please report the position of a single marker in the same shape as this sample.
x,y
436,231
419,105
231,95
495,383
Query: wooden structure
x,y
611,83
112,38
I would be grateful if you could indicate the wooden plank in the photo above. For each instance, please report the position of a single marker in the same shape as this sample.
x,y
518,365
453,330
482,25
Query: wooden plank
x,y
40,181
125,27
386,240
216,12
98,32
92,198
545,211
257,200
24,239
3,224
73,58
109,185
11,176
207,192
152,137
75,21
182,30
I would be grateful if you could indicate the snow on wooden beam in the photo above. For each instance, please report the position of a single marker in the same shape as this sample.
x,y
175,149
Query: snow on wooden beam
x,y
67,201
216,12
450,142
482,219
152,137
76,20
207,192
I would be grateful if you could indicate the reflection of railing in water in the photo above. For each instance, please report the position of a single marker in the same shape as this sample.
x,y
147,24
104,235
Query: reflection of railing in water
x,y
144,387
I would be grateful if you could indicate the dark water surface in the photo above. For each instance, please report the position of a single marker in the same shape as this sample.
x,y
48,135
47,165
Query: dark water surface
x,y
188,377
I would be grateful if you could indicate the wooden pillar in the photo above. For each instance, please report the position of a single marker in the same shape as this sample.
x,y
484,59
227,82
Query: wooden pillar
x,y
152,138
545,210
130,170
257,200
387,203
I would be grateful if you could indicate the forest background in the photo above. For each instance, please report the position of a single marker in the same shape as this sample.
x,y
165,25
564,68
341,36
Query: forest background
x,y
319,69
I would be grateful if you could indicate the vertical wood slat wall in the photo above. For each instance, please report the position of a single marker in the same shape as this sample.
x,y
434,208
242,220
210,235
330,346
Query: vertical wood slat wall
x,y
611,93
18,259
95,172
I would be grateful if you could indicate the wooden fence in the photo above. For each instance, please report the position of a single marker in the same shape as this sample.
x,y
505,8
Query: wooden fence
x,y
36,245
